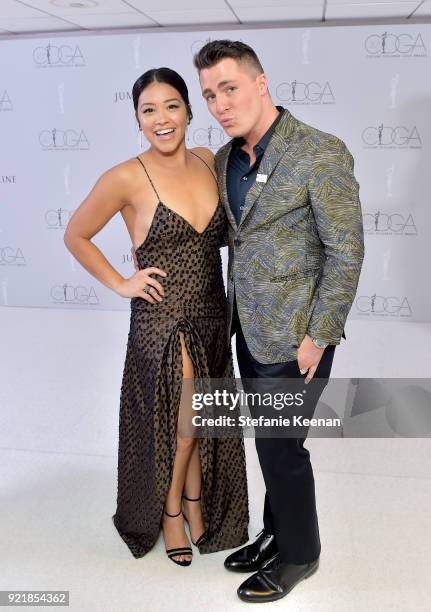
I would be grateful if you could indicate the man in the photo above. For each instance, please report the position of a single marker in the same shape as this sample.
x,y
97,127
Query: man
x,y
295,255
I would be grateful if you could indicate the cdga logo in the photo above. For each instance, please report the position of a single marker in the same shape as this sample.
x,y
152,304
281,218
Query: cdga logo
x,y
297,92
383,306
57,218
389,44
5,102
391,137
212,137
70,294
61,140
389,224
63,56
9,256
197,45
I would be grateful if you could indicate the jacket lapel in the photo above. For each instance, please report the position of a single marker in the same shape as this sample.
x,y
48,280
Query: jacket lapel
x,y
277,146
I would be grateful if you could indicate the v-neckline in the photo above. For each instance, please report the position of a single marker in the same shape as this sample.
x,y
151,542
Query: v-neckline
x,y
173,212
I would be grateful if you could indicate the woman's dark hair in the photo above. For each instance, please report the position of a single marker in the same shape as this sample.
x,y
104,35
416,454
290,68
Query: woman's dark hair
x,y
216,50
162,75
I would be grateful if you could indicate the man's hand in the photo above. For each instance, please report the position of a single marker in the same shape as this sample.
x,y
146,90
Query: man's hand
x,y
308,358
135,261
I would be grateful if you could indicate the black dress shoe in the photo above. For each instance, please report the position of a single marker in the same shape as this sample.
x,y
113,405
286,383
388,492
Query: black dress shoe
x,y
275,581
254,556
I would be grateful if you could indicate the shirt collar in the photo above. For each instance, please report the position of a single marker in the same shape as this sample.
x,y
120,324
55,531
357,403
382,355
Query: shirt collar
x,y
260,147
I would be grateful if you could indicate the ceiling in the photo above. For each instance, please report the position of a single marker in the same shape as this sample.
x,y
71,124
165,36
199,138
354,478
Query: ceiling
x,y
19,17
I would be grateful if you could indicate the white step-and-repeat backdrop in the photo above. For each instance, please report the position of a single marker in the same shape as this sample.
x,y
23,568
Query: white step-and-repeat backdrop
x,y
66,115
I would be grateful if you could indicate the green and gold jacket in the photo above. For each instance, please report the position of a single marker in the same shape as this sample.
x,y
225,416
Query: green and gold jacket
x,y
296,255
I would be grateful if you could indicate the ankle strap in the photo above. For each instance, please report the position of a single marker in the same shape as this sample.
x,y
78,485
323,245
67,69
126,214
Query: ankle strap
x,y
191,499
172,515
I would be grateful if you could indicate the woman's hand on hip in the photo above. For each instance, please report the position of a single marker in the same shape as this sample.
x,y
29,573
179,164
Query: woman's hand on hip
x,y
135,285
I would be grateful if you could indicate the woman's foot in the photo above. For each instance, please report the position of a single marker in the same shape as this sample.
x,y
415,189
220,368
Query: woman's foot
x,y
177,544
192,511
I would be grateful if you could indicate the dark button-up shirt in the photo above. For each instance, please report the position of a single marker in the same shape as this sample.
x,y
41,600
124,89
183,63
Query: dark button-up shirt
x,y
240,176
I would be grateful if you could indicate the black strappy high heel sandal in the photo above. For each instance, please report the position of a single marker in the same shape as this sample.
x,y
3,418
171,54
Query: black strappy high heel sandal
x,y
202,537
175,552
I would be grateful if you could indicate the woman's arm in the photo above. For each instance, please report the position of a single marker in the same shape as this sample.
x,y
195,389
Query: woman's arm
x,y
107,197
101,204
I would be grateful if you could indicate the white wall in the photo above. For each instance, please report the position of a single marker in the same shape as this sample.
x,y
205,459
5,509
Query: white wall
x,y
76,91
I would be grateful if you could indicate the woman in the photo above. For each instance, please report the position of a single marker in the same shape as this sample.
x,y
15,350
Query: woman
x,y
169,201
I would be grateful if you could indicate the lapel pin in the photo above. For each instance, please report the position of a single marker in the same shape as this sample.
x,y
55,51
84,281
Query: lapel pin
x,y
261,178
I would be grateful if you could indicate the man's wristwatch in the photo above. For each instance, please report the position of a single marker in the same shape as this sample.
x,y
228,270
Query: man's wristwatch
x,y
319,343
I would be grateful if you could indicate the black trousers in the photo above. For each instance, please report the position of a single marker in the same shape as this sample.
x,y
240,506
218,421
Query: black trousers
x,y
290,505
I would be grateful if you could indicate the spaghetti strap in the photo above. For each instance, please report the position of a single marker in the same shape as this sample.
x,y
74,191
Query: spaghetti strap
x,y
149,178
202,160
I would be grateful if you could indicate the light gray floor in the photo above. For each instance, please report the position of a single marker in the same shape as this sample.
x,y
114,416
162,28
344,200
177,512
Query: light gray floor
x,y
59,389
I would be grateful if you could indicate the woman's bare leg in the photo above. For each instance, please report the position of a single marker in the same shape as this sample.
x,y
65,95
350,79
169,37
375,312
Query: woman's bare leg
x,y
192,489
173,528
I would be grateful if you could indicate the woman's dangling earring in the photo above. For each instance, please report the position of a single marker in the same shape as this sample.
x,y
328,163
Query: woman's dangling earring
x,y
188,128
140,136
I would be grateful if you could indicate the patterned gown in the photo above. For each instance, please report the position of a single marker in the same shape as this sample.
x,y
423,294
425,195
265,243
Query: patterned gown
x,y
195,304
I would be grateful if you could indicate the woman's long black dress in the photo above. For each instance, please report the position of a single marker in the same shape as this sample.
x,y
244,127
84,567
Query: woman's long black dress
x,y
195,304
